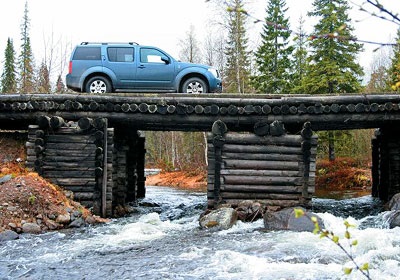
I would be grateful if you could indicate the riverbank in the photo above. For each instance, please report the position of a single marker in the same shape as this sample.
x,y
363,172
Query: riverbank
x,y
28,202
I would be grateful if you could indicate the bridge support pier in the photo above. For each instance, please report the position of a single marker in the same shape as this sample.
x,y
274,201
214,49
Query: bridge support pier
x,y
102,166
276,170
386,163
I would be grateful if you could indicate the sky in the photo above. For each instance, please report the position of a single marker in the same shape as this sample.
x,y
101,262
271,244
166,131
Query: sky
x,y
161,23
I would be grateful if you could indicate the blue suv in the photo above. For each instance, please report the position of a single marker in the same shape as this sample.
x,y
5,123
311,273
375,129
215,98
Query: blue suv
x,y
110,67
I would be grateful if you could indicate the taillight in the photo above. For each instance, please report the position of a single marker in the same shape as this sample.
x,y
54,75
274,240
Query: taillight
x,y
70,67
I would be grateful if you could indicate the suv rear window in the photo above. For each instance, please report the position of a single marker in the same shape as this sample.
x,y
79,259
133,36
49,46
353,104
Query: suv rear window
x,y
87,53
120,54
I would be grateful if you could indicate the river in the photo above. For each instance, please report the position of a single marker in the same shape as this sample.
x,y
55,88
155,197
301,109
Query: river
x,y
162,240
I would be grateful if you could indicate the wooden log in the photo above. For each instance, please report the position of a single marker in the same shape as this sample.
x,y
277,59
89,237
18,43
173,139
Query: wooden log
x,y
260,165
207,110
236,148
261,128
278,189
181,109
133,107
265,156
275,173
251,139
109,106
143,107
162,109
98,123
190,109
85,123
125,107
76,105
39,142
117,108
171,109
261,180
69,173
256,196
152,108
219,128
79,196
39,149
39,133
43,122
56,122
277,128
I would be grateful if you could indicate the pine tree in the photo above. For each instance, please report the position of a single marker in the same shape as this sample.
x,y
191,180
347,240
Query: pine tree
x,y
394,70
9,76
25,61
273,56
332,64
237,71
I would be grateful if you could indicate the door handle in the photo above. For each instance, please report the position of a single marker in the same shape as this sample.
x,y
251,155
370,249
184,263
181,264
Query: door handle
x,y
142,66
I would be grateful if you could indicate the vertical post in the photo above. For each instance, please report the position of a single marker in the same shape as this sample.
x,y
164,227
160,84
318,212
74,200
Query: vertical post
x,y
104,181
218,129
375,165
306,134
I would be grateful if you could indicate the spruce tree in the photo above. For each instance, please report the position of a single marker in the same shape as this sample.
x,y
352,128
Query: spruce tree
x,y
25,60
237,73
9,76
273,56
394,69
332,62
299,58
43,79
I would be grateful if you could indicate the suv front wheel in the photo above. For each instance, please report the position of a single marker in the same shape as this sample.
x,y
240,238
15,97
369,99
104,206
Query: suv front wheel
x,y
194,85
98,84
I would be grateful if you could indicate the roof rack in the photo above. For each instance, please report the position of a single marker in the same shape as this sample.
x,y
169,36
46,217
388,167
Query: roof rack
x,y
106,43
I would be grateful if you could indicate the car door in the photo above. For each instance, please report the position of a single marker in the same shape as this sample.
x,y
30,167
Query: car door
x,y
155,70
121,62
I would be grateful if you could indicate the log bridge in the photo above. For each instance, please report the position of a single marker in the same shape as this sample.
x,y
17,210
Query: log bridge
x,y
260,147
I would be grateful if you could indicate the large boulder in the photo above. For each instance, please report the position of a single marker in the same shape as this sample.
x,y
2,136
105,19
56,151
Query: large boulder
x,y
219,219
31,228
8,235
286,220
393,218
394,203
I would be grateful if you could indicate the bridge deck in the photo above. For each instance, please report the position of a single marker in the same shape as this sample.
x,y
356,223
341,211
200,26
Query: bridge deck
x,y
198,112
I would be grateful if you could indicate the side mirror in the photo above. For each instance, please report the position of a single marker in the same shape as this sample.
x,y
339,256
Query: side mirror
x,y
165,59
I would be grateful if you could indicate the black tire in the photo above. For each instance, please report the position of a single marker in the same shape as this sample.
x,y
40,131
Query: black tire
x,y
194,85
98,84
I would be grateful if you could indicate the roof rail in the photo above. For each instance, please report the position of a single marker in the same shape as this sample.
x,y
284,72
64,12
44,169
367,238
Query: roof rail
x,y
106,43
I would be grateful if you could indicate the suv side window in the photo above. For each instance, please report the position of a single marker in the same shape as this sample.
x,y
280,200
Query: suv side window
x,y
120,54
148,55
87,53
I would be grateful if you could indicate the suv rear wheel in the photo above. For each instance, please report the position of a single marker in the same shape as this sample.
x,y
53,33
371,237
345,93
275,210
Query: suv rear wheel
x,y
98,84
194,85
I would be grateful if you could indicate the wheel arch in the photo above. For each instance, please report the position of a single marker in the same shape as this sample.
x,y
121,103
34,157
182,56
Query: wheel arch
x,y
193,75
94,74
